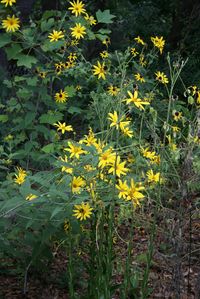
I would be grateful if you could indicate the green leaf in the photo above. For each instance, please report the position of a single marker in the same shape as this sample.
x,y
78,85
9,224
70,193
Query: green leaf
x,y
23,93
104,31
101,37
25,188
56,211
32,81
104,16
47,24
51,117
13,51
71,91
5,39
29,146
49,148
28,35
12,203
8,83
74,109
50,13
42,129
19,79
50,46
102,34
26,60
30,116
3,118
90,34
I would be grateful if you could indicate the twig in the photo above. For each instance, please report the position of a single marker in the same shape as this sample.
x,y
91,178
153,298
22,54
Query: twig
x,y
25,278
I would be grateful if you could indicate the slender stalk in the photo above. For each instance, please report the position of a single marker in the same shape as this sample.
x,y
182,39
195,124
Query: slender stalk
x,y
70,268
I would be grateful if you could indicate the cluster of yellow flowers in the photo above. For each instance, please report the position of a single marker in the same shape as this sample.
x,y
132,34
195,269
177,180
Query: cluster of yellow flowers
x,y
100,69
20,176
110,167
120,123
109,163
133,98
131,192
79,30
194,92
158,42
11,24
150,155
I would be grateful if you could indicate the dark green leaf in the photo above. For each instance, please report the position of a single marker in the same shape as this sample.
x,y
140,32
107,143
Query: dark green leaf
x,y
26,60
5,39
104,16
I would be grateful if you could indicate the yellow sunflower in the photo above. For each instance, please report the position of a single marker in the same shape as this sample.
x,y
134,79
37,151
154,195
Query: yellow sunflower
x,y
61,96
11,24
158,42
82,211
78,31
8,2
77,8
99,70
161,77
77,184
55,36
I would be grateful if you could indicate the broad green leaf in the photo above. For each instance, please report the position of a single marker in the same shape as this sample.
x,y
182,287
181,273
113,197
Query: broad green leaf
x,y
74,109
14,203
26,60
104,16
23,93
13,51
51,118
44,130
19,154
28,35
19,79
8,83
101,37
71,91
3,118
5,39
47,24
104,31
102,34
50,13
56,211
32,81
49,148
50,46
29,145
90,34
25,188
30,116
